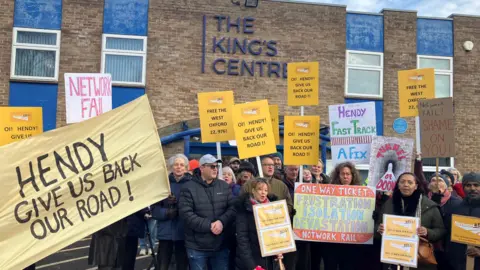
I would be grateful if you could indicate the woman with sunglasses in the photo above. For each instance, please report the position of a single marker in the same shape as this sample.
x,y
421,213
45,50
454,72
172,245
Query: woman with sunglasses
x,y
249,256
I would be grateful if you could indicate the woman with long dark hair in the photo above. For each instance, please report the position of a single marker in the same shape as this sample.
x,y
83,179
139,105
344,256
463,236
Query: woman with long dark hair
x,y
409,199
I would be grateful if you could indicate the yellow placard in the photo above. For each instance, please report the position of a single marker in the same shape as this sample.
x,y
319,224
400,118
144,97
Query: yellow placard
x,y
414,85
272,214
400,252
275,125
301,140
274,229
400,226
253,129
466,230
302,84
19,123
66,184
215,111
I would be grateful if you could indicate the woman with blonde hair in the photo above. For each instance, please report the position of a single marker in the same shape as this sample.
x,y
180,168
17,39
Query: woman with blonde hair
x,y
229,177
457,185
317,172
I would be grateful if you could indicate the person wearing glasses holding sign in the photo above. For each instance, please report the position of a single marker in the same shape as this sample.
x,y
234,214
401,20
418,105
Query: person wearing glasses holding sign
x,y
206,206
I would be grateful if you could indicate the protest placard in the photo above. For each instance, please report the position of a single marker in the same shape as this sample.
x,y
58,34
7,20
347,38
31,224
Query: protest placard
x,y
334,213
215,111
414,85
400,240
302,83
253,129
19,123
66,184
466,230
87,95
351,129
389,158
437,127
274,228
275,124
301,140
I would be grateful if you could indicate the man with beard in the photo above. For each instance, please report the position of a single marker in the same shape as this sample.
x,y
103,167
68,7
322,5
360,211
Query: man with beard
x,y
234,164
470,206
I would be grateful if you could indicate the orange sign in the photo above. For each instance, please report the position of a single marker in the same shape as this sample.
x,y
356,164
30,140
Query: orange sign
x,y
466,230
302,83
399,252
414,85
19,123
400,226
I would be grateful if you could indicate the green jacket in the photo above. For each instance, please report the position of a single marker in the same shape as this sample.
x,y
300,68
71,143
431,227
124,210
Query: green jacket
x,y
431,218
277,188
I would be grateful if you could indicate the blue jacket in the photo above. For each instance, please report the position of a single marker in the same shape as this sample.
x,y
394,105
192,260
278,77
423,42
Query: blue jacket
x,y
170,229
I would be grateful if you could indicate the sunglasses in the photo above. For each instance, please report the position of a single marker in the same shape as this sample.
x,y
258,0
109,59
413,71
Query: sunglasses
x,y
212,166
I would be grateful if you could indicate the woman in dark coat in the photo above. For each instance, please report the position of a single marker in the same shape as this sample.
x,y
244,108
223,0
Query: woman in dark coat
x,y
408,199
249,255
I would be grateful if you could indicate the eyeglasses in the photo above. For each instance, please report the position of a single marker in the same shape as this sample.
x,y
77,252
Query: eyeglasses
x,y
211,166
268,165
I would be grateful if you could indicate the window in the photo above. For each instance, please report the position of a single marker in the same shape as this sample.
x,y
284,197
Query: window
x,y
443,73
124,57
364,74
443,88
35,54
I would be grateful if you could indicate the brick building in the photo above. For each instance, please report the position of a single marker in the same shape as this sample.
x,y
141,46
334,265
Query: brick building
x,y
175,49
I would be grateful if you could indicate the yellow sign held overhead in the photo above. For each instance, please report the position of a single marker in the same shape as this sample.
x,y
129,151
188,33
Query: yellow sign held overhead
x,y
253,129
301,139
275,120
414,85
303,82
19,123
215,111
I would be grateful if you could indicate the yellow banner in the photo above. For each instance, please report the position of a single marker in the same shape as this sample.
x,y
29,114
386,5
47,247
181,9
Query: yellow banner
x,y
301,140
215,111
253,129
414,85
400,226
399,252
19,123
303,83
466,230
275,120
61,186
274,228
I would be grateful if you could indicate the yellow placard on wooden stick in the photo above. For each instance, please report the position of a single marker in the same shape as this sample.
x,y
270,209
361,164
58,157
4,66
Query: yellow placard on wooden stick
x,y
253,129
414,85
275,125
303,82
215,111
466,230
19,123
301,139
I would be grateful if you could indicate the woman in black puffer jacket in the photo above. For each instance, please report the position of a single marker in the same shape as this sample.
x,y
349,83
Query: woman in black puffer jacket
x,y
249,255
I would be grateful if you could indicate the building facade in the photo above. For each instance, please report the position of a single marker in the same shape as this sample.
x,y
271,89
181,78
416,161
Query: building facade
x,y
171,50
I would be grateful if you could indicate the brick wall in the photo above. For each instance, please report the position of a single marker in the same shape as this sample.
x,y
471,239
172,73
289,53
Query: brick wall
x,y
6,26
81,45
466,93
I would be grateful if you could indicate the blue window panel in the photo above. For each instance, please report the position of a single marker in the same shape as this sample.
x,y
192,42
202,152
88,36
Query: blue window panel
x,y
435,37
41,14
126,17
364,32
123,95
36,95
378,112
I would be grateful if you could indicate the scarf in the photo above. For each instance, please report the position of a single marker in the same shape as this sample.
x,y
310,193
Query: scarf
x,y
445,197
253,201
405,206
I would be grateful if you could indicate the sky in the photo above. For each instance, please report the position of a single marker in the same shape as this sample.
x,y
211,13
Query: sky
x,y
431,8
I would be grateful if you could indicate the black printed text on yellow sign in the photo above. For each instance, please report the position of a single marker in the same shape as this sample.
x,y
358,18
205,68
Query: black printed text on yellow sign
x,y
303,84
301,140
253,129
215,111
414,85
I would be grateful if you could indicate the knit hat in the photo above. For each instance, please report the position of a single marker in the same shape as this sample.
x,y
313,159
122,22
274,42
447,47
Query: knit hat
x,y
449,174
440,177
247,166
279,155
234,159
470,177
193,164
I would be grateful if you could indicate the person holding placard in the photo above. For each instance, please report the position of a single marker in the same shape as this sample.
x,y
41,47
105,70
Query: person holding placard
x,y
249,256
470,207
409,199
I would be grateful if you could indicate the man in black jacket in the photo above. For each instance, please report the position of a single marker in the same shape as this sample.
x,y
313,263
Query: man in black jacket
x,y
206,205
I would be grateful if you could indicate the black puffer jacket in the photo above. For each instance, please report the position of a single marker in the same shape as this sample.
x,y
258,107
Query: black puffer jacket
x,y
200,205
249,254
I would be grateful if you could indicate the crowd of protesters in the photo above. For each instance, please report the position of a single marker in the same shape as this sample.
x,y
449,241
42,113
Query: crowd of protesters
x,y
207,221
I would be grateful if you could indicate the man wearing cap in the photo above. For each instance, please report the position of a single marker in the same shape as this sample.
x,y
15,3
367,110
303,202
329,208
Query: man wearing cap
x,y
470,206
234,164
206,205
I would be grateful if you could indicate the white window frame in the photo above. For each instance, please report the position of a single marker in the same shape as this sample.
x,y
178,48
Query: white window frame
x,y
39,47
450,74
143,54
363,67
